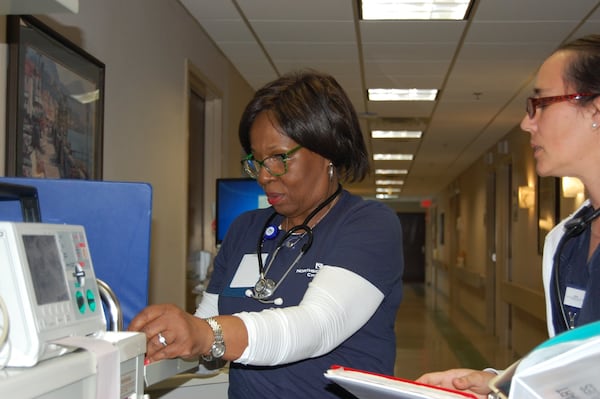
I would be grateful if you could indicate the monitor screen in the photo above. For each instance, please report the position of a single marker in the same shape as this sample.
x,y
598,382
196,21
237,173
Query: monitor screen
x,y
46,269
234,197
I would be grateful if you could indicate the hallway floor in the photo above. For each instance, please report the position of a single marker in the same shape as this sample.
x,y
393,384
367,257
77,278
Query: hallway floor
x,y
427,341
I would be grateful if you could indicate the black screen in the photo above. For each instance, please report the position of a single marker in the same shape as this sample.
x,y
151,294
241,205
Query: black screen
x,y
45,268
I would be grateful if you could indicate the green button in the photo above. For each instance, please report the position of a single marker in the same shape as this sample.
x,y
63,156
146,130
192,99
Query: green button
x,y
80,301
91,300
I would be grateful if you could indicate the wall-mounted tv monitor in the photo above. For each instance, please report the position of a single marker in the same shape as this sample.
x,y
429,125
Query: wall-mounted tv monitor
x,y
234,197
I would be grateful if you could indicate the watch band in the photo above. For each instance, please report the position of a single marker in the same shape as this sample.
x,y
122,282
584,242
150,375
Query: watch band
x,y
217,350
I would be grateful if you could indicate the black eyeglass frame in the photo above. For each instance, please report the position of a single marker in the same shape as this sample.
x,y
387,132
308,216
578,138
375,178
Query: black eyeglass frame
x,y
283,157
534,103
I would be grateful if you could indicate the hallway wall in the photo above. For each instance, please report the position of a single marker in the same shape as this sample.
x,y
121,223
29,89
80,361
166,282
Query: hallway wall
x,y
505,298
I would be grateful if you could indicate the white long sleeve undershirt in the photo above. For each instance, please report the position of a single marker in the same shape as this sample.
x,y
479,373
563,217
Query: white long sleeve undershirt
x,y
208,306
336,304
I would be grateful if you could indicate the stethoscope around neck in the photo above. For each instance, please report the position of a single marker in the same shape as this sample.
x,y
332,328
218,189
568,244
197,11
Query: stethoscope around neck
x,y
265,287
573,228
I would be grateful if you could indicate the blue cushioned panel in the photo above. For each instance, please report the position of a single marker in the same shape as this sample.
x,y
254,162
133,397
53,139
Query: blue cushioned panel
x,y
117,220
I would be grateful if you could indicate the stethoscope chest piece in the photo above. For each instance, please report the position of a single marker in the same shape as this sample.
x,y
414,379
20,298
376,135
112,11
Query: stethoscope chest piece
x,y
264,288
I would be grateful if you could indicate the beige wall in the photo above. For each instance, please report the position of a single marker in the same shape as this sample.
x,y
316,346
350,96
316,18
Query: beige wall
x,y
145,46
517,274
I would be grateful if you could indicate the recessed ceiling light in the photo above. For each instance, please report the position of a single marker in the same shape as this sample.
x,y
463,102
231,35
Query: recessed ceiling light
x,y
392,157
411,9
388,190
402,94
396,134
391,171
389,182
386,196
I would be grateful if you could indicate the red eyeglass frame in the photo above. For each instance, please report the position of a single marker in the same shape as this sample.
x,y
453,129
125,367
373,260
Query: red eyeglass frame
x,y
536,102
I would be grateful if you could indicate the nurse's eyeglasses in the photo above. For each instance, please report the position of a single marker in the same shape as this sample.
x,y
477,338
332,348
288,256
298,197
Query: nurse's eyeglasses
x,y
538,102
276,165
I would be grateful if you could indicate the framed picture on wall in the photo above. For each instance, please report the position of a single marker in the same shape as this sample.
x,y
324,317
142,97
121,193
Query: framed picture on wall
x,y
548,207
55,105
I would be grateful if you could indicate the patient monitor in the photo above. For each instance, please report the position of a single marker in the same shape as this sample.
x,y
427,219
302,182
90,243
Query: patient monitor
x,y
51,300
48,285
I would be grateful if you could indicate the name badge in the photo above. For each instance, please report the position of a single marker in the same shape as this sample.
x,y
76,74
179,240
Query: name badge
x,y
247,273
574,297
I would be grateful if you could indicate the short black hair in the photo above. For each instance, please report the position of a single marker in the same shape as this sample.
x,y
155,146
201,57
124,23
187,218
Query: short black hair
x,y
313,110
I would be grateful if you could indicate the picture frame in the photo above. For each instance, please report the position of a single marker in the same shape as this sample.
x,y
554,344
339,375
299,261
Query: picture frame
x,y
55,105
548,207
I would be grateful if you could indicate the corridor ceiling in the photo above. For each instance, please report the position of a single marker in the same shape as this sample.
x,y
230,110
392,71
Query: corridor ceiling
x,y
483,66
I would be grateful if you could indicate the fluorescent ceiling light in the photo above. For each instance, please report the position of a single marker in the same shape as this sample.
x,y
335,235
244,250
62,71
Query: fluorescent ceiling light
x,y
396,134
389,182
407,9
386,196
388,190
392,157
391,171
402,94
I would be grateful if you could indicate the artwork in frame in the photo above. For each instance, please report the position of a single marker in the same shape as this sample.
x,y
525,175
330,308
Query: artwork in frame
x,y
548,206
55,105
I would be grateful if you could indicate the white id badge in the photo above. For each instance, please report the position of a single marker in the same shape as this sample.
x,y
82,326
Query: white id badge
x,y
247,272
574,297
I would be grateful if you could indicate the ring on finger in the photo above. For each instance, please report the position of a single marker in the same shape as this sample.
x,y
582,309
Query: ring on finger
x,y
162,339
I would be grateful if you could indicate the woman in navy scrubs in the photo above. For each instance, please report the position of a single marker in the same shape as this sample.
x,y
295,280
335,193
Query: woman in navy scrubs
x,y
310,282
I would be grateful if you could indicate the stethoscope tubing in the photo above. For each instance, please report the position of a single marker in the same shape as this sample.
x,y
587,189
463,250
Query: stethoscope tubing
x,y
305,247
573,228
301,227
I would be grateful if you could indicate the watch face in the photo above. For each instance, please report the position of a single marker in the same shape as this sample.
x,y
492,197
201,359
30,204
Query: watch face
x,y
218,349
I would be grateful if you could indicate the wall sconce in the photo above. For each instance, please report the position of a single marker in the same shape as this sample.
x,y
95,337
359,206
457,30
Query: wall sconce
x,y
571,187
546,224
526,197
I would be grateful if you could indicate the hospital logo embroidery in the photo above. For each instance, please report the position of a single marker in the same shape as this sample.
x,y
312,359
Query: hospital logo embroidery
x,y
310,273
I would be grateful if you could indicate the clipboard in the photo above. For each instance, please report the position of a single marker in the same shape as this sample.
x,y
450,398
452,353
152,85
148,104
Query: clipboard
x,y
368,385
564,366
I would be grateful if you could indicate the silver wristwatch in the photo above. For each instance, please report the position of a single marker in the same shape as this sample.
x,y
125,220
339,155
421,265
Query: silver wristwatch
x,y
217,350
